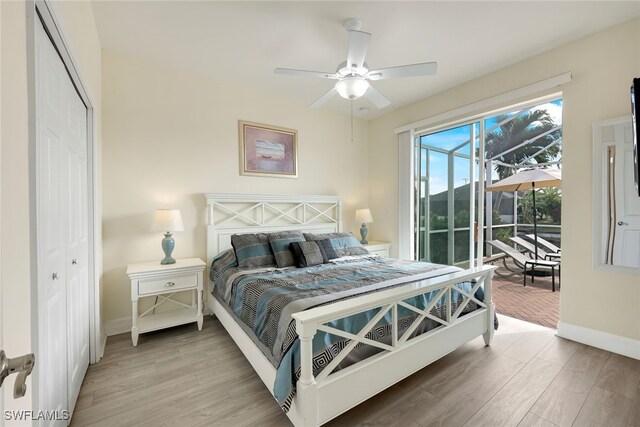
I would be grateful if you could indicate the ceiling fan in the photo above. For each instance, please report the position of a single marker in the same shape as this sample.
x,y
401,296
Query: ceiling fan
x,y
353,75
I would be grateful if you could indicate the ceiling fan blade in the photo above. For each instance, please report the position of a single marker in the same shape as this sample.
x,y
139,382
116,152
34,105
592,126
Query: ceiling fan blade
x,y
358,45
376,98
423,69
305,73
324,98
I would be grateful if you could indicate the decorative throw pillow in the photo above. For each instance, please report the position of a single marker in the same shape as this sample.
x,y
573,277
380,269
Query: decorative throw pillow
x,y
279,242
306,253
345,244
326,248
253,250
221,263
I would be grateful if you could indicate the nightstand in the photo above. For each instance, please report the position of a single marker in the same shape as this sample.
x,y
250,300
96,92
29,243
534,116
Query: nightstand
x,y
152,279
380,248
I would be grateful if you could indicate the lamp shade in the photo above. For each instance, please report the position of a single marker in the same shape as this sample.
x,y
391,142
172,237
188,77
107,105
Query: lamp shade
x,y
363,216
167,220
352,87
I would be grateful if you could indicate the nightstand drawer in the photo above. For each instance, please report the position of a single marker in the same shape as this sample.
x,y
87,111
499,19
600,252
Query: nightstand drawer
x,y
172,283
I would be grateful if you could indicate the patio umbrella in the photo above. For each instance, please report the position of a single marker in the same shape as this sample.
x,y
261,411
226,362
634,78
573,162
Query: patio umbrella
x,y
529,179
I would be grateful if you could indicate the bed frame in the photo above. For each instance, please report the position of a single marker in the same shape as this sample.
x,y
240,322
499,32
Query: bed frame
x,y
327,395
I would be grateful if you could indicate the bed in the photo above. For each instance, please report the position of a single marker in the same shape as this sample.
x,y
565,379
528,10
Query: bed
x,y
423,315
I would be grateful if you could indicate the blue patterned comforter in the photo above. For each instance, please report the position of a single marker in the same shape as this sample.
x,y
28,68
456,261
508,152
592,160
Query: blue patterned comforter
x,y
263,300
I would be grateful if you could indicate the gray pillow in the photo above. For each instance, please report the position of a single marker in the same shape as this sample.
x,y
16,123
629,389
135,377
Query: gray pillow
x,y
306,253
326,248
345,244
253,250
221,263
279,242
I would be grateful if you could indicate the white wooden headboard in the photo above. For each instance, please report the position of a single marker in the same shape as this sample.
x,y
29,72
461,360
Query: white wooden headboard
x,y
229,214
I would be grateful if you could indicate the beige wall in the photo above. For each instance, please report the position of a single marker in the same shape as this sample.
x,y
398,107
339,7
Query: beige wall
x,y
170,136
76,19
602,66
15,265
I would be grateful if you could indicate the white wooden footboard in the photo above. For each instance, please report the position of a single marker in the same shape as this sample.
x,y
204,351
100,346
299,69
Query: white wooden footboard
x,y
327,395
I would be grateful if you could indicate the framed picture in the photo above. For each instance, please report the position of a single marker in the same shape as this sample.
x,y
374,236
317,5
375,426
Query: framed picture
x,y
268,150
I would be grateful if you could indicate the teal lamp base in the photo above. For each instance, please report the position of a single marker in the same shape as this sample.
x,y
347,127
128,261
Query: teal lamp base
x,y
167,246
363,233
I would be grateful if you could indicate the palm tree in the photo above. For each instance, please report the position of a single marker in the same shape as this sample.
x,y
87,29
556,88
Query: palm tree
x,y
524,127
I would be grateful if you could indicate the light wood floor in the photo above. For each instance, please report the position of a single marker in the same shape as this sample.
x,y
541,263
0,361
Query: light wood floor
x,y
528,377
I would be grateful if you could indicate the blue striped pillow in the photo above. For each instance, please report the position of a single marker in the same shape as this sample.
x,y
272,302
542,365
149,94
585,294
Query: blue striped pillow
x,y
253,250
279,242
345,244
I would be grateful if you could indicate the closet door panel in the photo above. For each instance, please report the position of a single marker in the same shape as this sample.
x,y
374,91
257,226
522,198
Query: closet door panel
x,y
52,162
77,257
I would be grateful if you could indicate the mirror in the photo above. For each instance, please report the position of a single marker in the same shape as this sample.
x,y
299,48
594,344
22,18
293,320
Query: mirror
x,y
616,205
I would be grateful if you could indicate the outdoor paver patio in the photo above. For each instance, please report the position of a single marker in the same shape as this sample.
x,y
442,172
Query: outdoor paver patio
x,y
534,303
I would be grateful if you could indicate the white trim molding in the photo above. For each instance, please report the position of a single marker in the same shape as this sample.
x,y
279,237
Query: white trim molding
x,y
489,103
406,186
604,340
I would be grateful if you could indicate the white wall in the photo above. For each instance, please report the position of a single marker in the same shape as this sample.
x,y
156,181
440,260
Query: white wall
x,y
602,66
16,266
170,135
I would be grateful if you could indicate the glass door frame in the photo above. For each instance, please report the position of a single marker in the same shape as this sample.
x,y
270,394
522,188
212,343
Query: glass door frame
x,y
473,167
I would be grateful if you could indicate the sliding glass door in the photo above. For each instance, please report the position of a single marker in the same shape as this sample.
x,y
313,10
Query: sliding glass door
x,y
449,162
446,200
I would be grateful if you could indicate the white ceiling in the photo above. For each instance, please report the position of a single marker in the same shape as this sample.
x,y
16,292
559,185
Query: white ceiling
x,y
243,42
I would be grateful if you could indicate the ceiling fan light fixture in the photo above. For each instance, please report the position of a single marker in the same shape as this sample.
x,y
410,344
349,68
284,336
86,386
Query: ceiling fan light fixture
x,y
352,87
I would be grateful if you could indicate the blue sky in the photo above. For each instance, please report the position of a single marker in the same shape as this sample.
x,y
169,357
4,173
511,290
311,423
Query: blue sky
x,y
451,138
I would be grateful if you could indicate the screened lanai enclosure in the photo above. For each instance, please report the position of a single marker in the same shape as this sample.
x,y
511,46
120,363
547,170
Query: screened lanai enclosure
x,y
455,164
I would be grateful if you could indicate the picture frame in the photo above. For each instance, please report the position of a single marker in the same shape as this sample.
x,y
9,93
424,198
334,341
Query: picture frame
x,y
267,150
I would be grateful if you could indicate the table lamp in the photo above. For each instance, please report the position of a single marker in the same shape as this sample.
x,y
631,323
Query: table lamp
x,y
167,220
364,216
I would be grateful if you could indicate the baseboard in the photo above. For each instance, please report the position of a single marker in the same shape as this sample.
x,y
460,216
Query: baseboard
x,y
103,344
117,326
606,341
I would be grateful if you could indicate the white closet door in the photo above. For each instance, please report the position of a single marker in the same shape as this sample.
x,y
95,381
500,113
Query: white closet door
x,y
77,242
52,225
62,231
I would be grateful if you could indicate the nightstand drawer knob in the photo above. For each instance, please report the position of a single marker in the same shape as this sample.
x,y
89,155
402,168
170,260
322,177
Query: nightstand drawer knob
x,y
169,284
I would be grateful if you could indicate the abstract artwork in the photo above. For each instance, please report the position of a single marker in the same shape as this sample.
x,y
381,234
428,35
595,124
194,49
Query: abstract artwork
x,y
267,150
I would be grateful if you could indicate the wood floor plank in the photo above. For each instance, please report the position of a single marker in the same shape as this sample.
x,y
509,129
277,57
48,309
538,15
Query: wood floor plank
x,y
604,408
510,405
621,375
634,414
526,348
397,407
564,397
134,401
533,420
459,404
558,351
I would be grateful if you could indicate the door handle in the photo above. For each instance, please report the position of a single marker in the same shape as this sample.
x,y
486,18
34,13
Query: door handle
x,y
74,261
22,365
621,223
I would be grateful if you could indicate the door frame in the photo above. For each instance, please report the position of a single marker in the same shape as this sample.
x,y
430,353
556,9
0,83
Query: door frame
x,y
44,10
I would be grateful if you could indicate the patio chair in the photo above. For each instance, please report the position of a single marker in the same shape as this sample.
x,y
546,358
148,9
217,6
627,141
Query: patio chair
x,y
530,247
527,264
547,244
